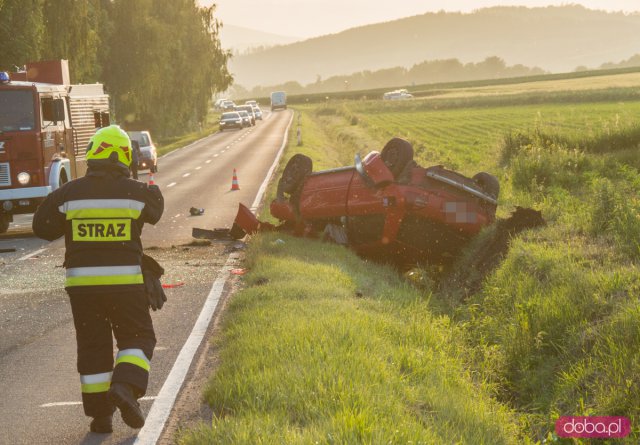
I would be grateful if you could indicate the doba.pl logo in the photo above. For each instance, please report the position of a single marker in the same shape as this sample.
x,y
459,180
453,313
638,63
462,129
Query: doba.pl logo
x,y
596,427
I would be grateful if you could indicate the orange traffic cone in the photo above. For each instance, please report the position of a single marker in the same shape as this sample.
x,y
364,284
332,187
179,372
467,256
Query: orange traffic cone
x,y
151,181
234,181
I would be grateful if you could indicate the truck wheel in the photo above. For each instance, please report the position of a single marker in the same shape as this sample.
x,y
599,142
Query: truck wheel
x,y
488,183
63,179
294,173
4,223
396,154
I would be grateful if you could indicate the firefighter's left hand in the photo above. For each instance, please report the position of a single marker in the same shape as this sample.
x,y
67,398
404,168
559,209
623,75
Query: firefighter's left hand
x,y
155,293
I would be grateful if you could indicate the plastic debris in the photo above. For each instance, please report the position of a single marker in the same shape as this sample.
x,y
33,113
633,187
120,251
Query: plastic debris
x,y
238,271
278,242
172,285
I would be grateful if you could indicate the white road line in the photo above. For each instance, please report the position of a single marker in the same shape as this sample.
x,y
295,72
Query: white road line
x,y
172,184
186,175
216,155
263,186
207,161
32,254
223,151
54,404
161,408
163,404
198,167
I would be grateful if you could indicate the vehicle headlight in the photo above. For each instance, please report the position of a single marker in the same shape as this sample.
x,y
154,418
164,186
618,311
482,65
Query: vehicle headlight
x,y
24,178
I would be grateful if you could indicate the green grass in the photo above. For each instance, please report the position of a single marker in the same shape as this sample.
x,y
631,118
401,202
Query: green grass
x,y
322,347
553,331
582,79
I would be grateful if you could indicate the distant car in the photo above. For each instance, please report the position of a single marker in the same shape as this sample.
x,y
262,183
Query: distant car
x,y
249,110
253,103
246,119
219,104
148,154
397,95
231,120
258,112
228,105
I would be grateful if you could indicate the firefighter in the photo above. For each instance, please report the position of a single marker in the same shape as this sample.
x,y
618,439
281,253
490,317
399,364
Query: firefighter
x,y
101,217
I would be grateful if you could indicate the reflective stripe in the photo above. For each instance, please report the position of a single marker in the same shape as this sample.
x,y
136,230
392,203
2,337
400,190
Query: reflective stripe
x,y
135,357
94,383
102,208
103,275
102,271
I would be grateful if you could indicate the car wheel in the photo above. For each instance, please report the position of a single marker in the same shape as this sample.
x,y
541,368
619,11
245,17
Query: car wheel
x,y
396,154
154,168
488,183
294,173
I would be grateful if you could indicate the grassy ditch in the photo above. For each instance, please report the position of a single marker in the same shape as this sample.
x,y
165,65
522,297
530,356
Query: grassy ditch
x,y
322,347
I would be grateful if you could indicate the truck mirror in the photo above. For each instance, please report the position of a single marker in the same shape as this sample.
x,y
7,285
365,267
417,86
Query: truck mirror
x,y
58,110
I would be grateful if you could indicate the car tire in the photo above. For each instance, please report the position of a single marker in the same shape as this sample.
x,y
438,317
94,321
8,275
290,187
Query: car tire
x,y
154,168
488,183
298,167
396,154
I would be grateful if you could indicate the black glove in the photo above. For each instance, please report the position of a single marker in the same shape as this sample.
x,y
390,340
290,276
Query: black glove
x,y
151,273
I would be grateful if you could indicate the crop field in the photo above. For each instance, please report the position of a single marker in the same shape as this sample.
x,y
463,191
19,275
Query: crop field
x,y
552,330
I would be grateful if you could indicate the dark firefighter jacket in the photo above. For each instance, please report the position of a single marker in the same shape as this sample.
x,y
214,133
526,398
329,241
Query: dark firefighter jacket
x,y
101,217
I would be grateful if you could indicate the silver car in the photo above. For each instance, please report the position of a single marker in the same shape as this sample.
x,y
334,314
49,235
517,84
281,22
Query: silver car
x,y
246,119
257,112
148,153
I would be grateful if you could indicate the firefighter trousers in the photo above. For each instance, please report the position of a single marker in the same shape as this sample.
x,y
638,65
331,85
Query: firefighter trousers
x,y
96,315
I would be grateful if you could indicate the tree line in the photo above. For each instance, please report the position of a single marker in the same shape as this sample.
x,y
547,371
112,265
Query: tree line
x,y
433,71
160,60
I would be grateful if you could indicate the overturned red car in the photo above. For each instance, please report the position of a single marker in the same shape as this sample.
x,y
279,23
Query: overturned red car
x,y
386,205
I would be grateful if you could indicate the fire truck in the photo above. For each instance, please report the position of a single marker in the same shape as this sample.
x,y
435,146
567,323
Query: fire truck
x,y
45,126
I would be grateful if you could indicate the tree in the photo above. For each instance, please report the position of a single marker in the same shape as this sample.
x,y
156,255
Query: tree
x,y
72,31
166,63
21,30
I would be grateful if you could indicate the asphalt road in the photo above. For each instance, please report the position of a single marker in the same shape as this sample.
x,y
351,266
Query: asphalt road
x,y
39,385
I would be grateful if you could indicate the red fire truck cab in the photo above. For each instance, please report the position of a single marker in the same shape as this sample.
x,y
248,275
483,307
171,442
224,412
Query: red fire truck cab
x,y
45,125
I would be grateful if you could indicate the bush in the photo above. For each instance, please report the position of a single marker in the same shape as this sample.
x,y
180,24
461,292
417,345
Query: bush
x,y
615,211
537,167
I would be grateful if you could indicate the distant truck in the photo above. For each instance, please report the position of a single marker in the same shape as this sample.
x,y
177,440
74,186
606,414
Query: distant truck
x,y
45,126
278,100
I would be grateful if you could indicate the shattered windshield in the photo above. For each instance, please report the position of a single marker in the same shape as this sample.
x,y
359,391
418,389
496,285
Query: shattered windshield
x,y
16,111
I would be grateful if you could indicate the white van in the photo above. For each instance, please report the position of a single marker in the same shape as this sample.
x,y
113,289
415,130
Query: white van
x,y
278,100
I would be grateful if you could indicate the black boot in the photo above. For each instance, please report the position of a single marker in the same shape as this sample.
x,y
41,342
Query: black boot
x,y
101,425
121,395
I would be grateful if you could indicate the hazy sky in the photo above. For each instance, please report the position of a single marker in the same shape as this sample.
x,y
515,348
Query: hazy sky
x,y
309,18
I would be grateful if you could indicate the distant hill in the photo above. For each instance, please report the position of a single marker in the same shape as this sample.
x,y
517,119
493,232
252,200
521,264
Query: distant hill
x,y
240,40
553,38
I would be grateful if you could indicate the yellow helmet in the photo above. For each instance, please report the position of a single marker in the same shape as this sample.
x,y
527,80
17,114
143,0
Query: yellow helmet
x,y
108,141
